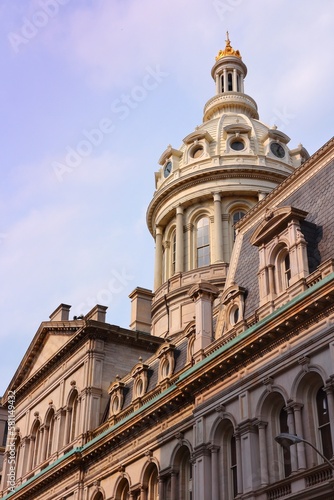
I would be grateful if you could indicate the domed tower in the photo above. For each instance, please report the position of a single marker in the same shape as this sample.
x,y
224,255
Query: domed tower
x,y
222,169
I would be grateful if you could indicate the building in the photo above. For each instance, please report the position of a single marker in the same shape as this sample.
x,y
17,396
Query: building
x,y
233,347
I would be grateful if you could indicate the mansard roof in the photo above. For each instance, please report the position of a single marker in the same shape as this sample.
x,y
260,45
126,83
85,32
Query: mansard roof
x,y
310,191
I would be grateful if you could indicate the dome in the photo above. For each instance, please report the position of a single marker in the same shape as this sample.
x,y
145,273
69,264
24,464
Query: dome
x,y
220,171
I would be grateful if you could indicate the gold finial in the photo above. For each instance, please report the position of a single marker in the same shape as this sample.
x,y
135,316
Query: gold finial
x,y
228,51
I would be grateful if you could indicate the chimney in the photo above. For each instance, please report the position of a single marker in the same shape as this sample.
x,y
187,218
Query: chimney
x,y
61,313
98,313
203,295
141,302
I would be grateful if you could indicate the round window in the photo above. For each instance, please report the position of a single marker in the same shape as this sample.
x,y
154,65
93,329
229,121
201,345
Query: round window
x,y
277,149
237,145
196,151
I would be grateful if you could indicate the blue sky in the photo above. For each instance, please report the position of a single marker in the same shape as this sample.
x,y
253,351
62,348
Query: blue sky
x,y
92,92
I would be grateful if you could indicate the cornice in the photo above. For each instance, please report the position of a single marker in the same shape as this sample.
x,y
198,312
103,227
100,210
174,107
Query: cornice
x,y
211,174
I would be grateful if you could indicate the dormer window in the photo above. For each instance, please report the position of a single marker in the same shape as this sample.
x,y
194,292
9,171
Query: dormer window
x,y
167,362
233,304
280,266
116,392
140,382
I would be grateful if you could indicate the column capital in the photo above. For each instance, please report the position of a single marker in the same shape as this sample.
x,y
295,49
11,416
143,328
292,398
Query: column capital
x,y
294,405
158,230
179,210
201,450
261,424
217,196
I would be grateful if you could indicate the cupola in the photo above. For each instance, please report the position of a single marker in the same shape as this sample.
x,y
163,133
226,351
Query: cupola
x,y
229,73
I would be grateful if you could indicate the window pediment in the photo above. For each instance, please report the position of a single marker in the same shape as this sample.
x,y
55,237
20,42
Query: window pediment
x,y
237,128
139,373
274,221
198,135
169,153
277,135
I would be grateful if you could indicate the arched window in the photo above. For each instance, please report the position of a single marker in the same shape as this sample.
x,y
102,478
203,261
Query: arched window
x,y
151,482
35,444
173,253
229,82
122,491
18,454
273,413
98,496
323,423
238,83
203,242
236,217
185,474
233,466
72,417
4,440
282,269
49,429
227,472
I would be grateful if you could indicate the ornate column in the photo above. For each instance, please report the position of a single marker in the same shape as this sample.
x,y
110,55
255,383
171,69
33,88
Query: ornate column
x,y
179,240
297,407
330,399
235,80
271,279
203,294
226,237
218,228
24,460
264,477
32,443
161,488
143,493
44,442
214,472
173,486
225,80
202,474
292,430
239,461
59,429
158,258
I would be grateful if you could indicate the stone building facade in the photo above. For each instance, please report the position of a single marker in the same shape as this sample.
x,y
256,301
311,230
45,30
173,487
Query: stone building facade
x,y
232,347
